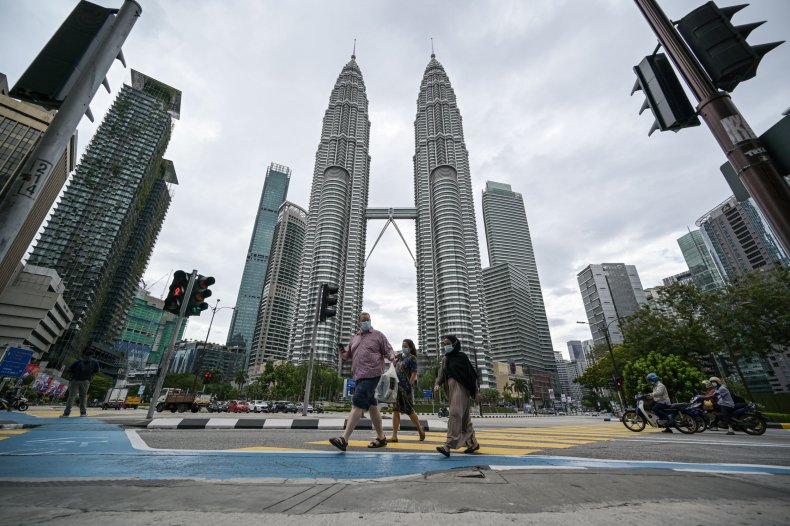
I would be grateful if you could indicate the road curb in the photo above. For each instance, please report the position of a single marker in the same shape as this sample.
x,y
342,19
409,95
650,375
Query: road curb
x,y
778,425
283,423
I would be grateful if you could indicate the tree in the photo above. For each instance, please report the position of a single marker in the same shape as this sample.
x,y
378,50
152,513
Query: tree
x,y
521,387
681,378
100,384
179,381
240,379
601,374
491,396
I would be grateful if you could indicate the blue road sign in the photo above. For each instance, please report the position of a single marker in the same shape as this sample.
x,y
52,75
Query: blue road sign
x,y
348,387
427,393
14,362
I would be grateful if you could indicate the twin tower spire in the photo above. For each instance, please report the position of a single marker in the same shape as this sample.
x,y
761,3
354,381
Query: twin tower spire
x,y
449,282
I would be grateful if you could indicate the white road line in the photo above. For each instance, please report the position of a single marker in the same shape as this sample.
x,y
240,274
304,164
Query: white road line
x,y
507,468
722,471
707,442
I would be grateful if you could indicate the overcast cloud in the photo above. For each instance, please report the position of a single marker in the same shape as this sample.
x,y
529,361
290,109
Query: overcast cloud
x,y
543,87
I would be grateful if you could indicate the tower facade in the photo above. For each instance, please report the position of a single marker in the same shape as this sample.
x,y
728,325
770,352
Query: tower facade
x,y
102,232
610,292
248,301
449,273
704,273
334,247
281,289
509,244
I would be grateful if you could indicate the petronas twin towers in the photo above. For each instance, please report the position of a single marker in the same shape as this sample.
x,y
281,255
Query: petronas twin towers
x,y
449,283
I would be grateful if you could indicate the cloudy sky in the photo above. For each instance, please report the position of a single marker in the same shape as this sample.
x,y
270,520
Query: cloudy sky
x,y
543,87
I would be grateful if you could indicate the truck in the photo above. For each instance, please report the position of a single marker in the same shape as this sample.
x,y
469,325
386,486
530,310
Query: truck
x,y
179,400
132,401
115,399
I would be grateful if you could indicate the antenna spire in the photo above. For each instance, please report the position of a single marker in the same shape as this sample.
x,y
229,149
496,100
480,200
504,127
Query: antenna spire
x,y
354,52
433,54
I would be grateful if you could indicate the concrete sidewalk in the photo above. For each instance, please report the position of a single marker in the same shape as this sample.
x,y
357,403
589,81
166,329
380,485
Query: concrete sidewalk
x,y
462,496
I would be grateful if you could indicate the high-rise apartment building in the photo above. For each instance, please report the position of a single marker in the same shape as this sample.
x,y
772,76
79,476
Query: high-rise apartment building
x,y
610,292
281,289
740,239
21,127
684,278
248,301
704,273
513,261
576,354
102,232
449,273
334,245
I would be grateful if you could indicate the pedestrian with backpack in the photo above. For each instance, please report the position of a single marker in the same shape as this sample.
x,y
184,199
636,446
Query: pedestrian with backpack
x,y
81,373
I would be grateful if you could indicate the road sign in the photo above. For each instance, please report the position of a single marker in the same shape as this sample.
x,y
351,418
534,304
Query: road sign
x,y
14,362
427,393
141,390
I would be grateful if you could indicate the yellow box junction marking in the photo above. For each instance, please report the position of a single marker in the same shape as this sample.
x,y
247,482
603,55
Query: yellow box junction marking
x,y
8,433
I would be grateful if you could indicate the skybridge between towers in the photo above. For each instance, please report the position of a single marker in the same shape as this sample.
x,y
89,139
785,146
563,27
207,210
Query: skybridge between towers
x,y
390,215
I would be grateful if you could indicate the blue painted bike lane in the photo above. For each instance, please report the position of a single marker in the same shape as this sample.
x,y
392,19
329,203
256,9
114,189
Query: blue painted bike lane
x,y
90,448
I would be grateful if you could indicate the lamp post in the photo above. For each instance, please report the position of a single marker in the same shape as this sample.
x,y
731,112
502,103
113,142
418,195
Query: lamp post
x,y
611,354
214,310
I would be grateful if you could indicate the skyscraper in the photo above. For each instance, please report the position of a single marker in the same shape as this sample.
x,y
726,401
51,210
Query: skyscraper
x,y
704,272
740,239
248,301
610,292
102,232
334,247
449,274
510,247
281,289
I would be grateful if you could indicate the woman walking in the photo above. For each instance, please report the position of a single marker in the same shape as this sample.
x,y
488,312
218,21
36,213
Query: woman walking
x,y
461,383
407,375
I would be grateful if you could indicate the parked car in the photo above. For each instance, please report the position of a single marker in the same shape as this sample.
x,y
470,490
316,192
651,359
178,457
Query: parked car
x,y
291,408
279,407
238,406
260,406
301,405
223,406
214,407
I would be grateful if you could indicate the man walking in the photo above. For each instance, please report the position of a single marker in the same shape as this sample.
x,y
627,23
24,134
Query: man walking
x,y
366,350
82,372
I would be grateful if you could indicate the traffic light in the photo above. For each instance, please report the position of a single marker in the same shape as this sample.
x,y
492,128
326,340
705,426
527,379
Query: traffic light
x,y
207,377
618,383
720,46
328,301
663,95
178,288
200,292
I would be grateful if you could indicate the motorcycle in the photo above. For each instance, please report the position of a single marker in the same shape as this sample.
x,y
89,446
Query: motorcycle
x,y
444,412
745,417
636,419
15,401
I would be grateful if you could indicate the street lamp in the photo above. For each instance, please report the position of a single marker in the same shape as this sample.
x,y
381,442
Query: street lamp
x,y
611,354
214,310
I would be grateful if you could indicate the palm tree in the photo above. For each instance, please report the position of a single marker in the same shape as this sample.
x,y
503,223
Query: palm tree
x,y
520,386
241,377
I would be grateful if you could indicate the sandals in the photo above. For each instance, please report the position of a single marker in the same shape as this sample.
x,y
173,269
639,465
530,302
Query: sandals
x,y
339,442
472,449
443,450
392,440
377,443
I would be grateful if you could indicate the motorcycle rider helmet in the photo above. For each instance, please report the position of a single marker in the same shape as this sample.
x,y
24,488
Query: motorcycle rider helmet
x,y
715,380
707,384
653,377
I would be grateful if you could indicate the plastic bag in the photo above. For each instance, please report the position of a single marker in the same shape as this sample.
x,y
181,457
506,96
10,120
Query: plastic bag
x,y
387,389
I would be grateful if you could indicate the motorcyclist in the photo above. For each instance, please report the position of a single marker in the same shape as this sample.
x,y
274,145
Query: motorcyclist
x,y
724,403
661,398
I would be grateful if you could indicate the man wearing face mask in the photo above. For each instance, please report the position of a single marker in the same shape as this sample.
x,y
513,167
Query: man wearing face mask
x,y
366,350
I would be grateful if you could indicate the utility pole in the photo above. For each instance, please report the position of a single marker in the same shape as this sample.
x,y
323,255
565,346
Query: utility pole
x,y
37,169
743,149
165,363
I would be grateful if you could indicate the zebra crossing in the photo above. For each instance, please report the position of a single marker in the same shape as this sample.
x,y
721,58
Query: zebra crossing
x,y
507,440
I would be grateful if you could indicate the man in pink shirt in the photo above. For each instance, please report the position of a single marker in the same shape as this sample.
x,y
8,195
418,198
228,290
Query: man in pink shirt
x,y
366,350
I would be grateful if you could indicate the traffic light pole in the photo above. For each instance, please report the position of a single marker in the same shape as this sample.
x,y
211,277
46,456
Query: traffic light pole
x,y
743,149
165,363
37,170
309,382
